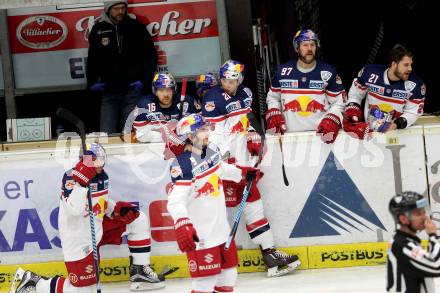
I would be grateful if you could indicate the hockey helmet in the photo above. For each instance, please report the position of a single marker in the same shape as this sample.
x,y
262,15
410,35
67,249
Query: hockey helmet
x,y
305,35
232,69
189,125
97,152
205,82
163,80
405,202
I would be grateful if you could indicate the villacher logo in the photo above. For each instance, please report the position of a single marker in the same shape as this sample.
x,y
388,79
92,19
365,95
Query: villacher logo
x,y
41,32
335,206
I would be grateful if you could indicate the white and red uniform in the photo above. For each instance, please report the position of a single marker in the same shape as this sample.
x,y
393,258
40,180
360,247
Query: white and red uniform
x,y
401,98
305,96
74,229
231,125
197,194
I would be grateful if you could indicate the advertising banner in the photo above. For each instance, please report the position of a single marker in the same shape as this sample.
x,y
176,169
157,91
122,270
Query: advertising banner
x,y
49,44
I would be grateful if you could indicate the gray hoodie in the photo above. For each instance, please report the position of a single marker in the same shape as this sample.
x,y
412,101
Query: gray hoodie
x,y
107,6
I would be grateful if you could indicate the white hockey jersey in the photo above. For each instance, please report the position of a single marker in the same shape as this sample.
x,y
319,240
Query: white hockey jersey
x,y
401,98
197,194
305,97
228,114
73,216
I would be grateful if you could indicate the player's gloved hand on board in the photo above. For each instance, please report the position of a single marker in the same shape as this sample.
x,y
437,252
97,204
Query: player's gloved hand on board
x,y
98,87
275,121
125,212
253,140
84,172
359,130
186,235
137,85
353,113
329,128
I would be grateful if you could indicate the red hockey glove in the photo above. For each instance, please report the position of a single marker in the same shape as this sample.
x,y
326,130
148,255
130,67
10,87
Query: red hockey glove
x,y
186,235
174,146
329,128
275,121
83,173
360,130
253,143
125,212
353,113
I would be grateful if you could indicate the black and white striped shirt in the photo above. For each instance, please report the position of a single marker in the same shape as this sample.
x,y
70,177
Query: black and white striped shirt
x,y
410,268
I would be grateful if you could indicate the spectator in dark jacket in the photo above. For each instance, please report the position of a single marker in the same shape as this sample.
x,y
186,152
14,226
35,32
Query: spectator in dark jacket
x,y
120,65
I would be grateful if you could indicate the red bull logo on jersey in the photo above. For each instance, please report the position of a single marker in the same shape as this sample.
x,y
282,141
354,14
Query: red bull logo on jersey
x,y
99,208
241,126
210,188
304,106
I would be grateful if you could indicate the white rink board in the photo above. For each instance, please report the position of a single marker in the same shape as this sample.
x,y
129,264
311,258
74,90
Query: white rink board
x,y
313,210
326,201
432,143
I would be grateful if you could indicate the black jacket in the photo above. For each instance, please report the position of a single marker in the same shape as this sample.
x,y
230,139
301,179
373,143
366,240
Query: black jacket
x,y
411,268
120,54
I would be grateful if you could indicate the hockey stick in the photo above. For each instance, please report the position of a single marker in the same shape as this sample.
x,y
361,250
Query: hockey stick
x,y
250,180
280,141
182,97
70,117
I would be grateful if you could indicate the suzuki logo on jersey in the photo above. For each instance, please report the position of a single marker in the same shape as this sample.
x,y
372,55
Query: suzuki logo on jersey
x,y
289,83
209,258
375,88
316,84
233,106
339,209
89,269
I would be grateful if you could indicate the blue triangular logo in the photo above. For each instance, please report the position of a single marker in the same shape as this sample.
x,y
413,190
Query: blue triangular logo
x,y
335,206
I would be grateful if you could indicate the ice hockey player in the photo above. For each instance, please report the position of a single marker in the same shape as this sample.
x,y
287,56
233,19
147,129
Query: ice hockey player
x,y
204,82
411,268
395,96
163,106
226,106
112,219
306,93
197,204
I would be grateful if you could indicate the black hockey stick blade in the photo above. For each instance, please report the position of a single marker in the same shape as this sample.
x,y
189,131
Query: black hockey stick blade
x,y
280,141
286,182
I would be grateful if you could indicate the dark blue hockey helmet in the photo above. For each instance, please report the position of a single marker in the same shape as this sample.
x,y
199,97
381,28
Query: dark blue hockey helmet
x,y
305,35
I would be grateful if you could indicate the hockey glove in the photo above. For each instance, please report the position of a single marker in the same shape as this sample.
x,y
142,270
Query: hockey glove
x,y
329,128
360,130
174,146
248,173
353,112
137,86
253,140
98,87
83,173
275,121
186,235
125,212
